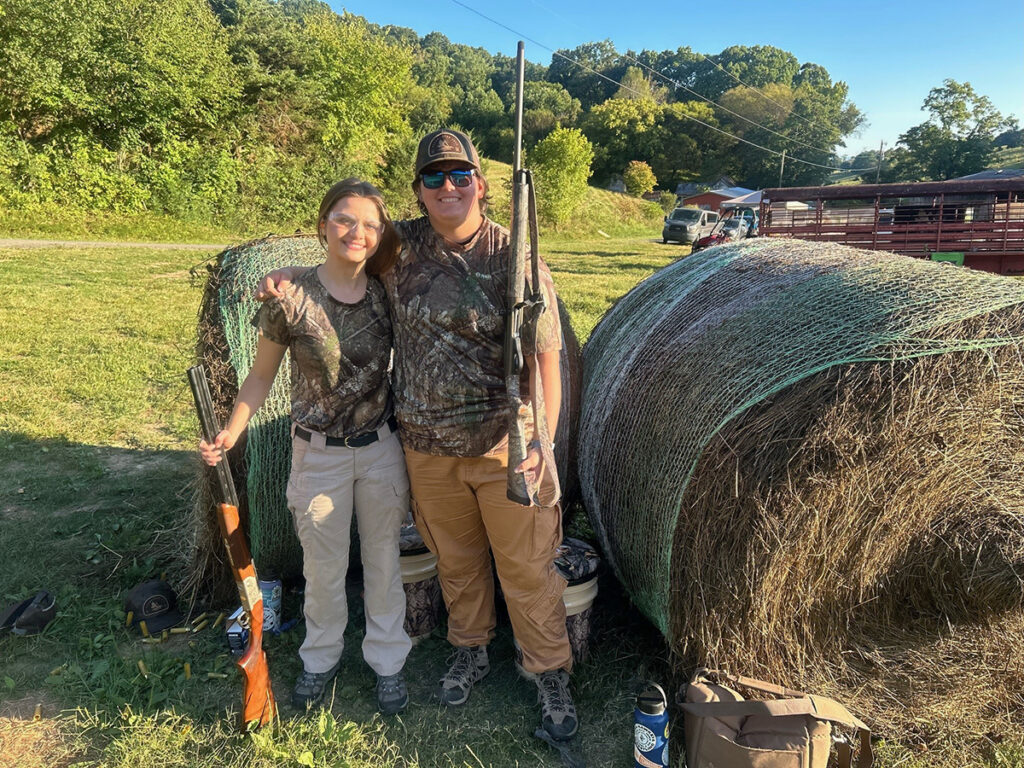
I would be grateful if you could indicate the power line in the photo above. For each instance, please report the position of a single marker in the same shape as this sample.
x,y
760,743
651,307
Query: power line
x,y
686,88
633,90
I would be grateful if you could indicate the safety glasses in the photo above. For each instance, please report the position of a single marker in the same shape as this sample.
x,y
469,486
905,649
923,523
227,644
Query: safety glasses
x,y
435,180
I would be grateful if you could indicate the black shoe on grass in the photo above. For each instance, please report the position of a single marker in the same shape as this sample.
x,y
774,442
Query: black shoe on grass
x,y
310,687
392,694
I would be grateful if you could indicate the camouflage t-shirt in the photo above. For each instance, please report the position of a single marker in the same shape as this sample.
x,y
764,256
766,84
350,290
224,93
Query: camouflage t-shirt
x,y
448,308
339,355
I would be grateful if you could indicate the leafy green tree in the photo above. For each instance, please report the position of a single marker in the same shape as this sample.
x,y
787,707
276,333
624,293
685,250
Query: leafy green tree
x,y
637,85
638,178
684,145
546,106
561,162
1011,137
756,66
579,71
620,130
956,140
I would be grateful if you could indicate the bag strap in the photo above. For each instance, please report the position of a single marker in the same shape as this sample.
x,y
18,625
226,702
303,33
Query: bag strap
x,y
797,703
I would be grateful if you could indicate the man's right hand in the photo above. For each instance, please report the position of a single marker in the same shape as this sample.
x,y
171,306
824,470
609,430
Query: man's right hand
x,y
273,284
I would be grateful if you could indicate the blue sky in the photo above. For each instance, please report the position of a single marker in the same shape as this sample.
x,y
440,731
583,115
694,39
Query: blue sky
x,y
889,53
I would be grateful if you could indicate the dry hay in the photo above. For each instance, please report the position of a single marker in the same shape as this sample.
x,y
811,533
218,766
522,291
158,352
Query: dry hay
x,y
45,743
851,528
261,461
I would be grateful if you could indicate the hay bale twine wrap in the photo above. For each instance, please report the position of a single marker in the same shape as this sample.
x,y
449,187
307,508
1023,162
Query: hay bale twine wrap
x,y
262,461
803,461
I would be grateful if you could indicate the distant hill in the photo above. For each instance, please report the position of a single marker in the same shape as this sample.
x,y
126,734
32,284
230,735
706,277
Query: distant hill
x,y
611,212
1007,157
1001,158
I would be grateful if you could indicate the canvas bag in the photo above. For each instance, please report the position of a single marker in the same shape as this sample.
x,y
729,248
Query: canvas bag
x,y
793,730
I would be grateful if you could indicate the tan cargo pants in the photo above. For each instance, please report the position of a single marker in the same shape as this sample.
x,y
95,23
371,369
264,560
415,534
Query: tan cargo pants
x,y
326,484
460,508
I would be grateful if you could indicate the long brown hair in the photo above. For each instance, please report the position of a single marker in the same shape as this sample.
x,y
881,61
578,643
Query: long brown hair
x,y
390,244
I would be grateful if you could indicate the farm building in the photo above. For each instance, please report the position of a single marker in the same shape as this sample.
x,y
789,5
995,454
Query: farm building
x,y
712,199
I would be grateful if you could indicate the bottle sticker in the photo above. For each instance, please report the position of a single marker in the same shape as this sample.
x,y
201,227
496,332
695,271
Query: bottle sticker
x,y
645,738
641,760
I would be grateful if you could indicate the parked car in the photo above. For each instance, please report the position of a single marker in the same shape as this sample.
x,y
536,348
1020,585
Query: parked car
x,y
727,230
686,225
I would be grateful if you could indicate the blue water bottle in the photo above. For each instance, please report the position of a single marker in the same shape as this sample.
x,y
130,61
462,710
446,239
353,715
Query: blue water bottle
x,y
650,728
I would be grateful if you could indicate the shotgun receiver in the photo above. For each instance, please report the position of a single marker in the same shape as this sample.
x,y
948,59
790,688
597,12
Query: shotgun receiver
x,y
523,312
258,706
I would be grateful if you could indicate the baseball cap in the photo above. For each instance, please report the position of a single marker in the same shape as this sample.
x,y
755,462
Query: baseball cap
x,y
446,144
155,603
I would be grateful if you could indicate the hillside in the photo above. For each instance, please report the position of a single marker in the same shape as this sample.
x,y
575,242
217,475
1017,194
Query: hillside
x,y
610,212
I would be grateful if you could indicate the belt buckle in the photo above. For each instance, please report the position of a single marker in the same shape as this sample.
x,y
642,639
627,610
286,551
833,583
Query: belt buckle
x,y
345,442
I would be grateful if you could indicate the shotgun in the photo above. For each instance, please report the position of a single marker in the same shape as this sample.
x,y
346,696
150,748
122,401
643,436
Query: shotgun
x,y
257,698
523,312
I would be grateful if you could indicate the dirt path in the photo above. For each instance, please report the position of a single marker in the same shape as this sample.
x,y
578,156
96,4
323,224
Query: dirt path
x,y
18,243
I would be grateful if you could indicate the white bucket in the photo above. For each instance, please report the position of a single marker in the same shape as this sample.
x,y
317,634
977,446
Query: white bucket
x,y
423,602
416,568
579,597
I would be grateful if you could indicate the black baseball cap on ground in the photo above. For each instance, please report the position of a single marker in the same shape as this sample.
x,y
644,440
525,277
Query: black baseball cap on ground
x,y
446,144
155,603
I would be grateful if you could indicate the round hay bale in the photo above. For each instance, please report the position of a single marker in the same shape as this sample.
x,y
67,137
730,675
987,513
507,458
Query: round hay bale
x,y
803,461
262,460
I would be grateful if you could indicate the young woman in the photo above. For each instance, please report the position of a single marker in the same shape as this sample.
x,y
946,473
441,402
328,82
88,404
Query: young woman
x,y
346,455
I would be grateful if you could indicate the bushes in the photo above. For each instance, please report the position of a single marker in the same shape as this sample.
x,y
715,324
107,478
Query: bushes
x,y
562,163
638,178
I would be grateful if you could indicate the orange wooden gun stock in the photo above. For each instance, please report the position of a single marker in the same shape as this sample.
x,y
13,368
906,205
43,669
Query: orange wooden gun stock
x,y
257,698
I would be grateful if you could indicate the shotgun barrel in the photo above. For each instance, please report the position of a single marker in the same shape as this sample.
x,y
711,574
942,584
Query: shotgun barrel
x,y
523,312
258,706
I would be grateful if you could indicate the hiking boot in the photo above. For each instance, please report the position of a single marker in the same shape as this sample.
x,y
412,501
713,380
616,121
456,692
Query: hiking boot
x,y
557,712
310,687
468,666
392,695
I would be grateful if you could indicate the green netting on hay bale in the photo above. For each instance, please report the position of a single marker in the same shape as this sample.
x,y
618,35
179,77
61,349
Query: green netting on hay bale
x,y
227,345
801,456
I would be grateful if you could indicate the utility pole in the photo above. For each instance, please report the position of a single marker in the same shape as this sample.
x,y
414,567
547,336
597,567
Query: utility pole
x,y
782,166
878,169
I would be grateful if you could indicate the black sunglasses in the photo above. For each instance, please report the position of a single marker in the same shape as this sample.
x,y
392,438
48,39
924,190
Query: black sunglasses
x,y
435,179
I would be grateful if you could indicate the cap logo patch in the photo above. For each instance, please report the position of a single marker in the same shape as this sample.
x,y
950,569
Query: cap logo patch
x,y
155,604
443,144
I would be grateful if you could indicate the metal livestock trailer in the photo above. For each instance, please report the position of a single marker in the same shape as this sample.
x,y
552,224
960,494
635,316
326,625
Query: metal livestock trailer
x,y
977,224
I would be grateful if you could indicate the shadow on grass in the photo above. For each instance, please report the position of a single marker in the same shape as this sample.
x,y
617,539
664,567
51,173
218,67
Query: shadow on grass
x,y
88,522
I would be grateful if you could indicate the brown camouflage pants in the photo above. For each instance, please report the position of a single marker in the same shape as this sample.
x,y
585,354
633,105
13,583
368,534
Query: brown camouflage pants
x,y
460,508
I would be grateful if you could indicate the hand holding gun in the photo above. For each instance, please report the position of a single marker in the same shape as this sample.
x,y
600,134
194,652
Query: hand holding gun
x,y
258,706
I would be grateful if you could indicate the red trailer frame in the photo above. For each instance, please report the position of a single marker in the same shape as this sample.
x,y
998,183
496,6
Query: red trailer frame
x,y
979,224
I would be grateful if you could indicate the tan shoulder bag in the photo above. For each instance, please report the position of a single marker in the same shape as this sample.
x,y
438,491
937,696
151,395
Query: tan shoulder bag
x,y
793,730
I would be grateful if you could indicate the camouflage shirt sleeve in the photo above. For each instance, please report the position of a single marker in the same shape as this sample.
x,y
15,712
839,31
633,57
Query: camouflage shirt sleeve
x,y
272,322
548,336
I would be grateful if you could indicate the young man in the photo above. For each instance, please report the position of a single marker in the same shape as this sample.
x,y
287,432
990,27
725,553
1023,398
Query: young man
x,y
447,294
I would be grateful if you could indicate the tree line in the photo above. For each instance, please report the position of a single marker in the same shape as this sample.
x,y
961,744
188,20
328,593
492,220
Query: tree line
x,y
245,110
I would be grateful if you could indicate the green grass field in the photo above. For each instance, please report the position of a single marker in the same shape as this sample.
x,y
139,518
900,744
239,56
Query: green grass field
x,y
96,435
96,439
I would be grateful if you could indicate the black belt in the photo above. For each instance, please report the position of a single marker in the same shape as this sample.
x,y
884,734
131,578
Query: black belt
x,y
355,441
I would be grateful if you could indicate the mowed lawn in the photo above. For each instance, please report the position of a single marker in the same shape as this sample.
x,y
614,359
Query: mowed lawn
x,y
96,464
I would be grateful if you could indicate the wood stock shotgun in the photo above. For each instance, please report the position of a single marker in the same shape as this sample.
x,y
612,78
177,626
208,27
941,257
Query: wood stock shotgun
x,y
523,312
257,698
